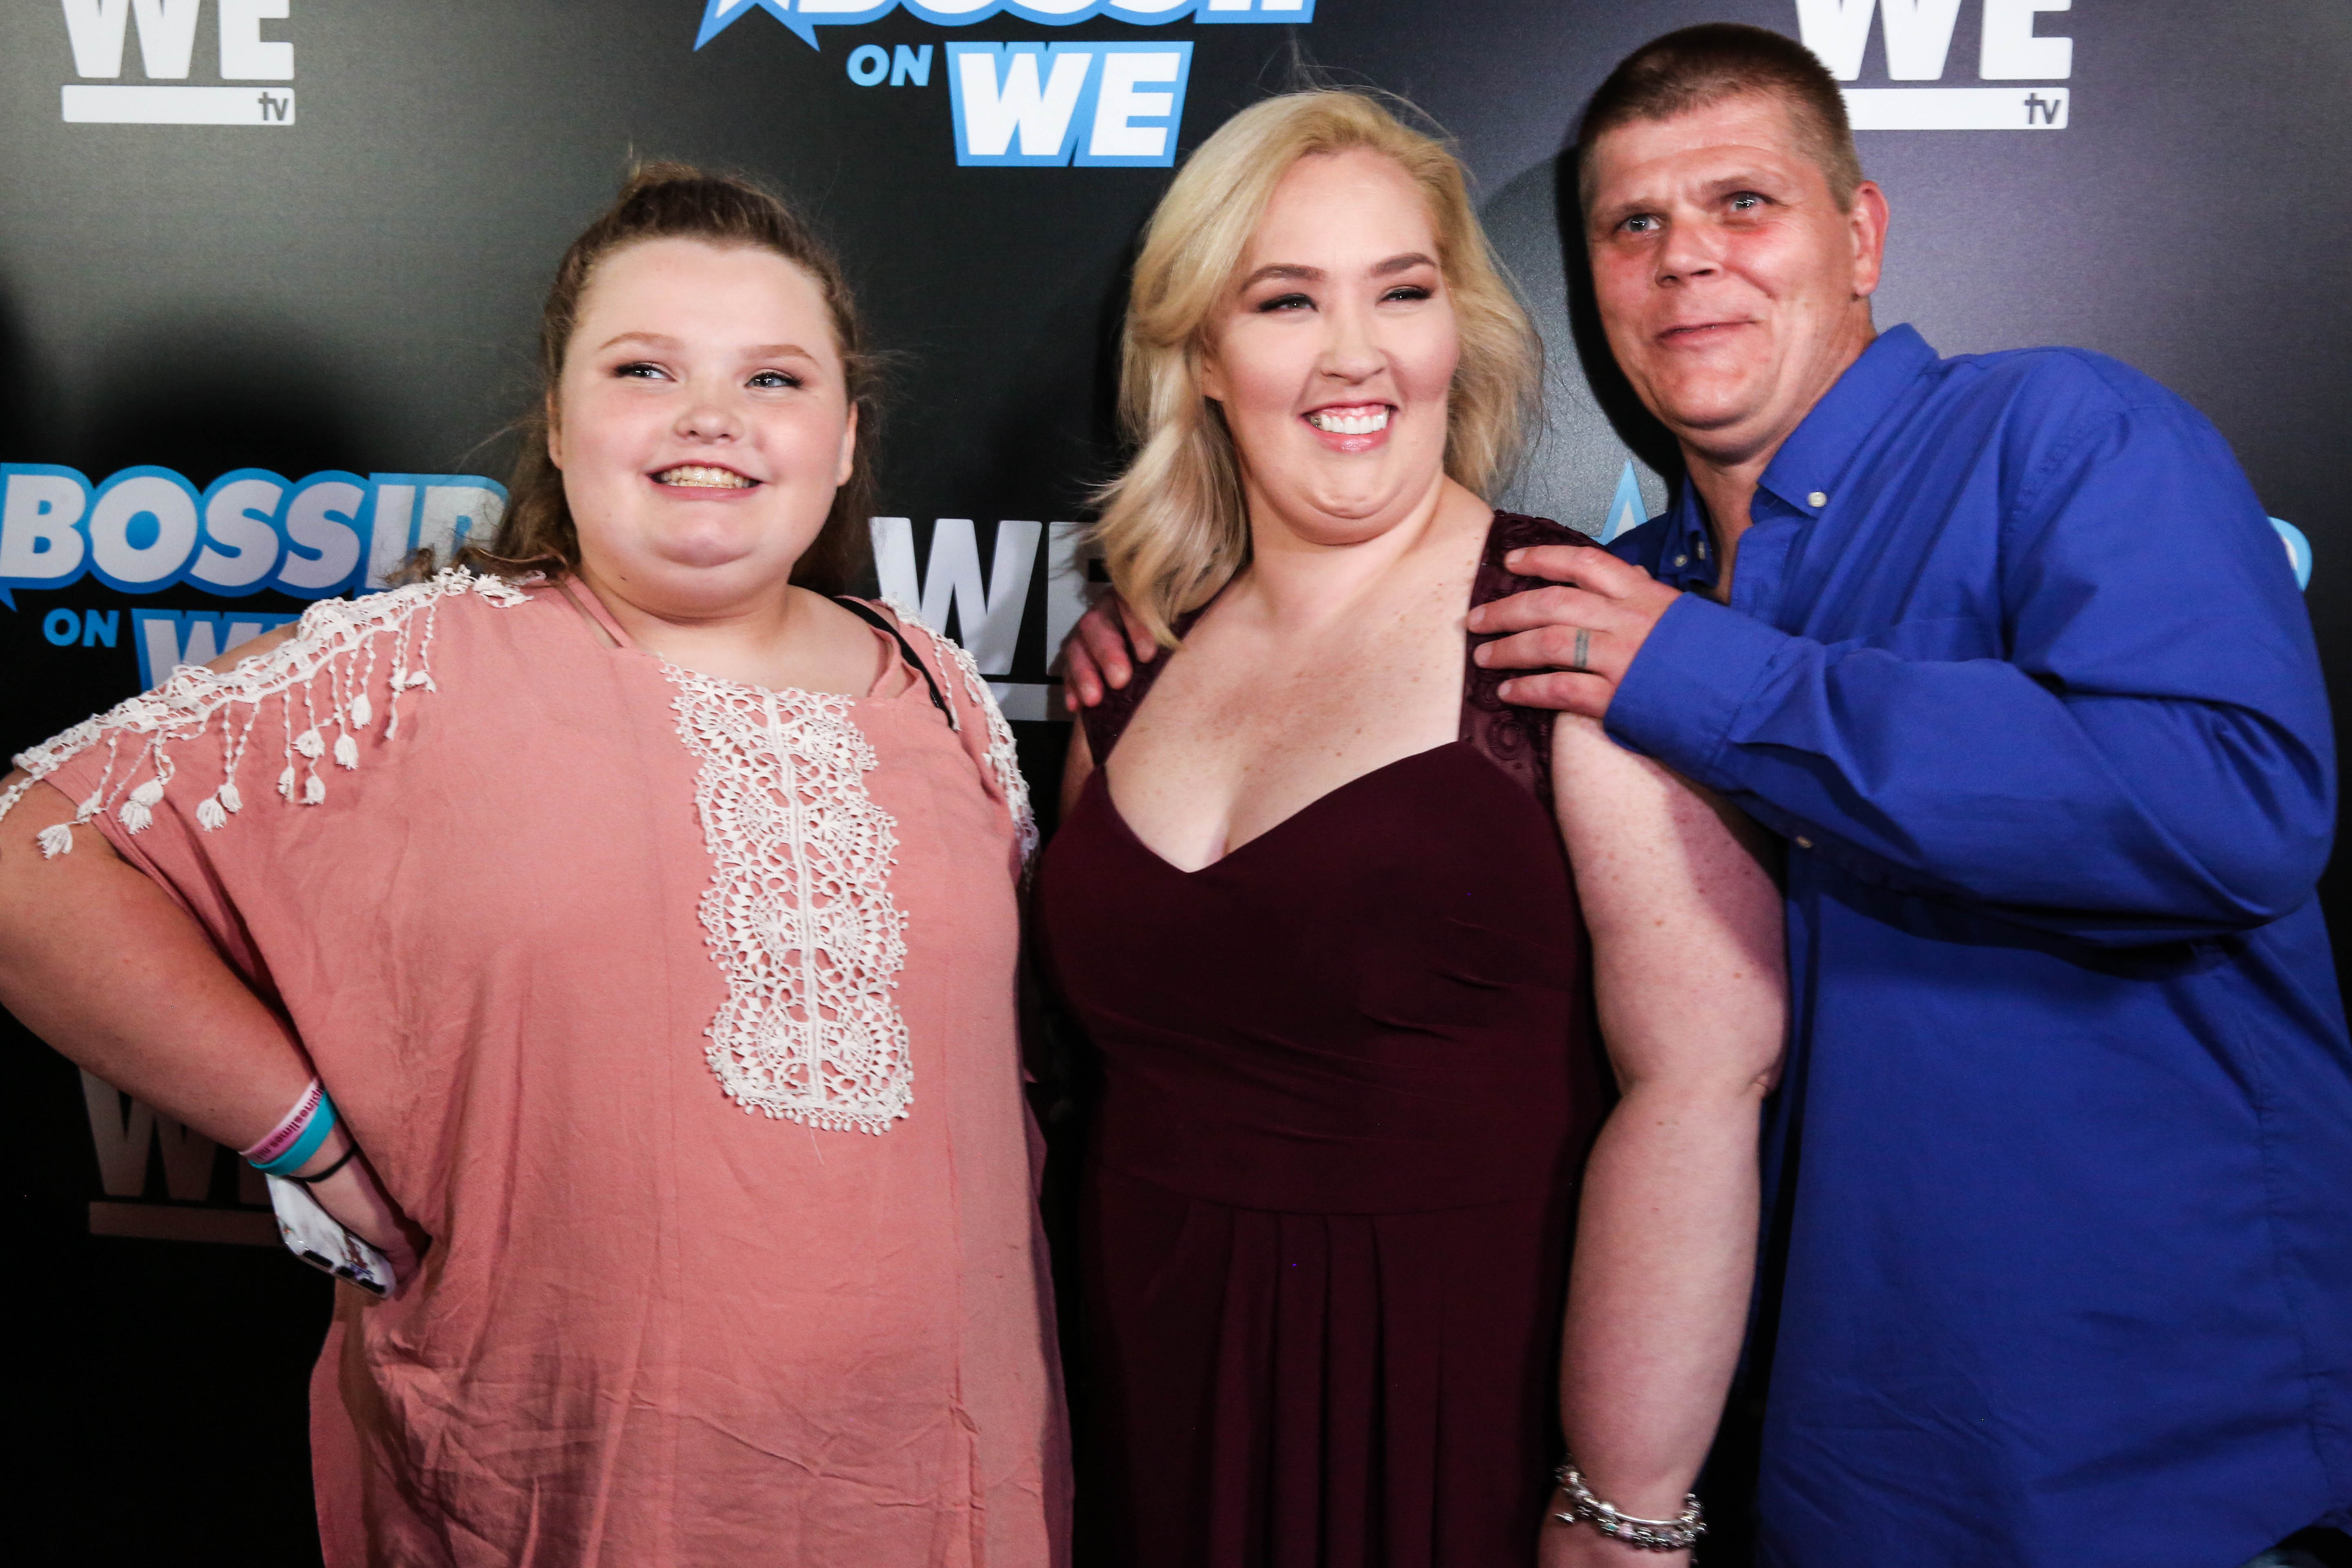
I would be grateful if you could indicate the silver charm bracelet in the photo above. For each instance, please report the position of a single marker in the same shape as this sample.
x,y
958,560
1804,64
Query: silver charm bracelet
x,y
1677,1534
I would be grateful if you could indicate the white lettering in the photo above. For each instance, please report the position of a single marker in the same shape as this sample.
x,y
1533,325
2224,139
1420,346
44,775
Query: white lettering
x,y
95,28
389,531
1117,102
240,541
161,653
987,615
1066,583
122,1141
167,35
2012,52
321,535
454,513
1838,31
994,111
122,503
121,1144
245,54
894,558
1918,35
39,540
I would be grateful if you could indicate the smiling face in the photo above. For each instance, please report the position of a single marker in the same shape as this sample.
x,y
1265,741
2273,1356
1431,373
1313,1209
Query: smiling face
x,y
1334,354
701,421
1733,289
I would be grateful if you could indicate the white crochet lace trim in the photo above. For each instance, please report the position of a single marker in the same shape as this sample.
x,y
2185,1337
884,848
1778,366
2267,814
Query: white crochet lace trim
x,y
799,911
337,643
1004,760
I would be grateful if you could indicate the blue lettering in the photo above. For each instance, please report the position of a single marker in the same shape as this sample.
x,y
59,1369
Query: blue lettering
x,y
868,64
910,66
2299,550
99,630
803,18
44,542
147,528
61,627
1038,106
142,529
322,535
167,639
242,542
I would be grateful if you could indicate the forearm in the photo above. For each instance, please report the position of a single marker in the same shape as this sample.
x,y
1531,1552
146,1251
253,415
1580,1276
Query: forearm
x,y
2117,817
1659,1289
97,960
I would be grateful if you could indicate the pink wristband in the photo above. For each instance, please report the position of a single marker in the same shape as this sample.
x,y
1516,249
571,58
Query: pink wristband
x,y
282,1137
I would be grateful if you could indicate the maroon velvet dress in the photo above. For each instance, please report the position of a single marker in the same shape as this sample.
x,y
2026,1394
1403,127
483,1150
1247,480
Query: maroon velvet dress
x,y
1350,1079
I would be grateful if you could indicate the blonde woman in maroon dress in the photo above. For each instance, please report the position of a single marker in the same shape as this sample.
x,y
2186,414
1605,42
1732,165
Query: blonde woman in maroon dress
x,y
1322,901
648,916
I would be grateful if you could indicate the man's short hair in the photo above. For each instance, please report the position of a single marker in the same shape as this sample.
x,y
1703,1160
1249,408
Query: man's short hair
x,y
1699,67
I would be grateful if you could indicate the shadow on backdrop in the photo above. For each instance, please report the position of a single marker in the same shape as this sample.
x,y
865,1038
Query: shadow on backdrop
x,y
170,1382
1593,423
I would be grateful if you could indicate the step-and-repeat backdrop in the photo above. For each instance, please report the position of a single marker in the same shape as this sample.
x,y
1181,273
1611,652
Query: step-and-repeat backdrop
x,y
270,271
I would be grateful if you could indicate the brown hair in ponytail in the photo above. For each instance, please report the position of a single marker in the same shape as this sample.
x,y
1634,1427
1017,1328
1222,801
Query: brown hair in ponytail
x,y
676,201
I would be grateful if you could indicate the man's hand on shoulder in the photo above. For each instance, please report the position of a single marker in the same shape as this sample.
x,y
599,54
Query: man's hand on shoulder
x,y
1582,635
1101,652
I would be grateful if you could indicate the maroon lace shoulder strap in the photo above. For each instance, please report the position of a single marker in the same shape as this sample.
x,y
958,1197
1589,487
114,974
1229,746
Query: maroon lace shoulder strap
x,y
1516,740
1107,719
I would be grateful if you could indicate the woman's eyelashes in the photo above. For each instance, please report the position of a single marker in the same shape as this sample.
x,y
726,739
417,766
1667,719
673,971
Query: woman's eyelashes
x,y
1401,294
765,380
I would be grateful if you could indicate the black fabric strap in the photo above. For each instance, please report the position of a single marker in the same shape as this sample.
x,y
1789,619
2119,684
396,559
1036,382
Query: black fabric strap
x,y
314,1180
876,618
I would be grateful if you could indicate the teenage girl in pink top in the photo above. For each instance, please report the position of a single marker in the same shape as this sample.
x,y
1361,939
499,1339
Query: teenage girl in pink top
x,y
635,922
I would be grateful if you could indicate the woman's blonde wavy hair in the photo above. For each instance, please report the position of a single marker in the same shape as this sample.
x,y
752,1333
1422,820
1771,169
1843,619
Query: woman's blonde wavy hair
x,y
1174,526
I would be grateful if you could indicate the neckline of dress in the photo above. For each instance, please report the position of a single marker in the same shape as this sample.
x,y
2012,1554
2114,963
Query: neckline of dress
x,y
586,602
1190,618
1392,765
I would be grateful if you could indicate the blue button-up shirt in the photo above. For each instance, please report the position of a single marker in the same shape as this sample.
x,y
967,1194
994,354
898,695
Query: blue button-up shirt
x,y
2063,1159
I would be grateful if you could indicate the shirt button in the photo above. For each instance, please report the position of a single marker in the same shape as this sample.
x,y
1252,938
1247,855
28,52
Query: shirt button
x,y
1682,560
1819,497
1803,842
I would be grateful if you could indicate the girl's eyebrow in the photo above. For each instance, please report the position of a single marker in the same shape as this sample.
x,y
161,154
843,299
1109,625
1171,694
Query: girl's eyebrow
x,y
663,341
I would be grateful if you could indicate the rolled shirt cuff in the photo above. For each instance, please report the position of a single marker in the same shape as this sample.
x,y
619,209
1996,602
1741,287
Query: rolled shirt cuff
x,y
1687,684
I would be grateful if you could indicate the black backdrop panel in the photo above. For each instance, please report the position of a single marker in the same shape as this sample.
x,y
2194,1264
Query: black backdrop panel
x,y
338,278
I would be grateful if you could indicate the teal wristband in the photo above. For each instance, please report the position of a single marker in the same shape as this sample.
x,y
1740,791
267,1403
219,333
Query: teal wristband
x,y
298,1154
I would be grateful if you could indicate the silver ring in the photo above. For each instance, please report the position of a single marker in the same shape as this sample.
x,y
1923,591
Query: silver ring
x,y
1583,646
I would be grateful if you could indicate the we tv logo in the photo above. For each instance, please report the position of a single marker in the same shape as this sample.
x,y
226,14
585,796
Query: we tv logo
x,y
1918,38
1097,105
168,31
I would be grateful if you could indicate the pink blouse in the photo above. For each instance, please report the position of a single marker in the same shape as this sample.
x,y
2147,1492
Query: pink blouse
x,y
681,1014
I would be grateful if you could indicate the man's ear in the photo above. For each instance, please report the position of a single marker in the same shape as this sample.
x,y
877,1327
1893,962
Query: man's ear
x,y
848,449
1867,218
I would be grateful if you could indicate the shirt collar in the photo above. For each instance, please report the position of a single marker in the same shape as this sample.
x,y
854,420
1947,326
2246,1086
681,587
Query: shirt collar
x,y
1804,473
1686,553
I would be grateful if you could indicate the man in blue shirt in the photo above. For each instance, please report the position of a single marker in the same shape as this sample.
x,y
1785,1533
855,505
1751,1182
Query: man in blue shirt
x,y
2005,649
